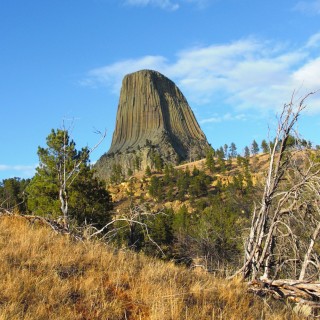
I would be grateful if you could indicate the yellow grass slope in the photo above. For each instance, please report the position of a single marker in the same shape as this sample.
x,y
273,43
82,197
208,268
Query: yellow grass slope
x,y
49,276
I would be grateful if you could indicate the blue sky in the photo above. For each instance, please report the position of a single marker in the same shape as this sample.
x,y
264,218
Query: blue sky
x,y
236,61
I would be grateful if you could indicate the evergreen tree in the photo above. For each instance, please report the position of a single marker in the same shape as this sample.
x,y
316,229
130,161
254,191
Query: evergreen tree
x,y
180,221
199,185
148,171
157,161
195,171
161,230
220,153
222,164
246,152
137,163
232,150
65,184
156,188
170,192
264,146
291,142
183,182
254,147
210,163
220,230
117,174
12,195
187,172
166,178
130,189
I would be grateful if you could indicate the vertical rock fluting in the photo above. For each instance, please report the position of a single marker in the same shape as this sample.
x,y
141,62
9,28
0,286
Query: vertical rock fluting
x,y
153,116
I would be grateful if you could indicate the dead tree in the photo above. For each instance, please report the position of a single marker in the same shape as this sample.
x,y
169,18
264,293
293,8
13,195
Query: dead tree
x,y
281,199
136,215
285,225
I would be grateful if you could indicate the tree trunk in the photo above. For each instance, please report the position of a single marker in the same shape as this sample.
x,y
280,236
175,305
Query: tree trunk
x,y
64,207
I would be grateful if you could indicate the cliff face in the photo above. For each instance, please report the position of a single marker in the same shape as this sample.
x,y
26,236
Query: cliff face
x,y
153,117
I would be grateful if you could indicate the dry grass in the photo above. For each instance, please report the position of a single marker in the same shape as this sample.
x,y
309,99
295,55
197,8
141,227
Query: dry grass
x,y
49,276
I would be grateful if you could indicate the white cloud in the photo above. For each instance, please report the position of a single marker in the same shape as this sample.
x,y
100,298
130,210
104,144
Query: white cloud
x,y
21,170
314,41
310,7
246,74
199,3
226,117
164,4
308,74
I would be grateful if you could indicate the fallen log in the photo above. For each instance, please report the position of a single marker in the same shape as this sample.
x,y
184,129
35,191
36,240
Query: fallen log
x,y
305,294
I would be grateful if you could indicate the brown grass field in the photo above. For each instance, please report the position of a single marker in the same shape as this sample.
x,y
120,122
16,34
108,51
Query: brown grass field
x,y
49,276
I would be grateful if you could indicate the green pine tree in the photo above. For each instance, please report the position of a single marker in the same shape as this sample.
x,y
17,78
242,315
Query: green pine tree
x,y
264,146
148,171
64,184
12,195
254,147
232,150
156,188
210,162
246,152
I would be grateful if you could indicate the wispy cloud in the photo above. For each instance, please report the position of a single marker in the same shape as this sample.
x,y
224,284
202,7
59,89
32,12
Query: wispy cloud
x,y
19,170
314,41
166,4
200,3
310,7
226,117
247,74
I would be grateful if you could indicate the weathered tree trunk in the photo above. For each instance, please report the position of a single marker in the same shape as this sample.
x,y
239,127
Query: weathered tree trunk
x,y
306,259
64,207
260,245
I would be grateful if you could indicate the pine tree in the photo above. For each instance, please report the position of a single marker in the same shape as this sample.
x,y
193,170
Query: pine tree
x,y
158,162
148,171
183,182
220,153
264,146
12,195
210,163
117,174
137,163
246,152
232,150
156,188
170,192
64,184
254,147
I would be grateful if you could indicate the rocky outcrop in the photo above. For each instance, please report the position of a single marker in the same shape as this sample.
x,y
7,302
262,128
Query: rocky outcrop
x,y
153,118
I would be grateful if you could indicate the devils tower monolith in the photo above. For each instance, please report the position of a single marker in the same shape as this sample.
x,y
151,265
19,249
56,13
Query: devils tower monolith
x,y
153,121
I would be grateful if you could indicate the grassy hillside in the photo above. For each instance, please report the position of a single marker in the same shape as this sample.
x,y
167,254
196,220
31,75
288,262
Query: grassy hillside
x,y
49,276
138,185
